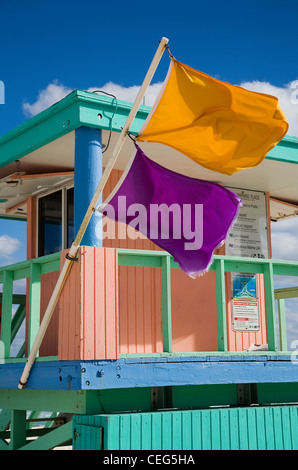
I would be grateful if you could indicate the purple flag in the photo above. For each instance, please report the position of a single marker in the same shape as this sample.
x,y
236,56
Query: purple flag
x,y
187,217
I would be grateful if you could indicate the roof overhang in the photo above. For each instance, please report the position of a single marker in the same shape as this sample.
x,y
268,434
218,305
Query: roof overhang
x,y
45,144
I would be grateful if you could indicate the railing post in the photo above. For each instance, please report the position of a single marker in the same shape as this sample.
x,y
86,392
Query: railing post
x,y
282,324
18,429
166,303
270,306
221,305
7,312
34,308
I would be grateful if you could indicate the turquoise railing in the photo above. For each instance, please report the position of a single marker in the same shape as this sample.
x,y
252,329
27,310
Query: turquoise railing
x,y
32,269
221,264
281,295
18,318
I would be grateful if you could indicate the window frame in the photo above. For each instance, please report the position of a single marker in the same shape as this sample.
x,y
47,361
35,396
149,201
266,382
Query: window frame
x,y
64,188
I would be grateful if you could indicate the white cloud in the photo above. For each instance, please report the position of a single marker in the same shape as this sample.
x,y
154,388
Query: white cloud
x,y
284,237
8,246
55,92
287,95
130,93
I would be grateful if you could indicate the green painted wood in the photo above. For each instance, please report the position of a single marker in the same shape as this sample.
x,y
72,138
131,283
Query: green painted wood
x,y
4,419
277,393
282,325
23,267
92,437
34,307
17,320
4,445
286,293
47,126
166,304
32,269
245,428
21,351
82,108
221,305
285,268
78,109
7,312
18,299
59,436
78,402
270,306
285,151
17,429
203,396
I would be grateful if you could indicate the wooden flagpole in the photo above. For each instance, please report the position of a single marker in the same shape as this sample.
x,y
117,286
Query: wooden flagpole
x,y
75,246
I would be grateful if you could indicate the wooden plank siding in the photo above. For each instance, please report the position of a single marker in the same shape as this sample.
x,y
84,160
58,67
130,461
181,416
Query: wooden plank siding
x,y
88,307
194,317
140,307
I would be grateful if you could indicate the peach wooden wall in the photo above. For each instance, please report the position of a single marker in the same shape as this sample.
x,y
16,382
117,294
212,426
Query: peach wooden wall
x,y
194,322
193,302
88,307
140,315
49,345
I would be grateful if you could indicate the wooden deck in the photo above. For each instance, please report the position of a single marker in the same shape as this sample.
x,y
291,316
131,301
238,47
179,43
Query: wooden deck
x,y
159,371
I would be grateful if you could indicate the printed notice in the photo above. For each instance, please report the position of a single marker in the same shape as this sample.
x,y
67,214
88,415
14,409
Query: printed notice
x,y
245,304
249,235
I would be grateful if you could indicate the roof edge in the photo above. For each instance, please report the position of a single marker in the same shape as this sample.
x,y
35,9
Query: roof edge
x,y
66,115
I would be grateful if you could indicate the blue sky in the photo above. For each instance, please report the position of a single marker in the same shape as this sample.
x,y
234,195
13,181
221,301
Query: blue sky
x,y
49,48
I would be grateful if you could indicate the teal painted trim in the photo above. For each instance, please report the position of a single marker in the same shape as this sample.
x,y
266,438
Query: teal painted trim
x,y
282,324
220,264
285,151
242,428
34,307
18,429
286,293
205,354
270,307
32,269
24,359
47,126
221,305
77,109
6,312
92,105
17,320
57,437
166,304
81,108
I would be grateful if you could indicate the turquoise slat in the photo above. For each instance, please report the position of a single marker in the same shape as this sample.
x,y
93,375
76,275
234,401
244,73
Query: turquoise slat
x,y
252,428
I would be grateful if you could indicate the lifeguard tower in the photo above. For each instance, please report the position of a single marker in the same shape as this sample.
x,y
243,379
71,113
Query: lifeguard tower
x,y
137,354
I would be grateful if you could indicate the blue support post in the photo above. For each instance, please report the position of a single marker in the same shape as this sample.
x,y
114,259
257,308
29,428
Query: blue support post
x,y
88,171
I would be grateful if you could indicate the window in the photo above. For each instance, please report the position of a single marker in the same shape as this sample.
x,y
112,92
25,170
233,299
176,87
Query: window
x,y
55,221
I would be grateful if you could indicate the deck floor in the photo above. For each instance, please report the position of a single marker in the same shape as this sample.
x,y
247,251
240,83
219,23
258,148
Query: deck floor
x,y
132,372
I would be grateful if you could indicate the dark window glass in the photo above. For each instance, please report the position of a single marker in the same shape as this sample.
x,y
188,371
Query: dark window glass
x,y
70,216
50,224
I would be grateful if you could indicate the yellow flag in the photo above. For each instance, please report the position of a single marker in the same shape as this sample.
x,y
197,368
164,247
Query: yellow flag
x,y
222,127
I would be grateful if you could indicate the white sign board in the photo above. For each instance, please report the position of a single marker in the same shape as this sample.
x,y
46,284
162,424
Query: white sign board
x,y
249,235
